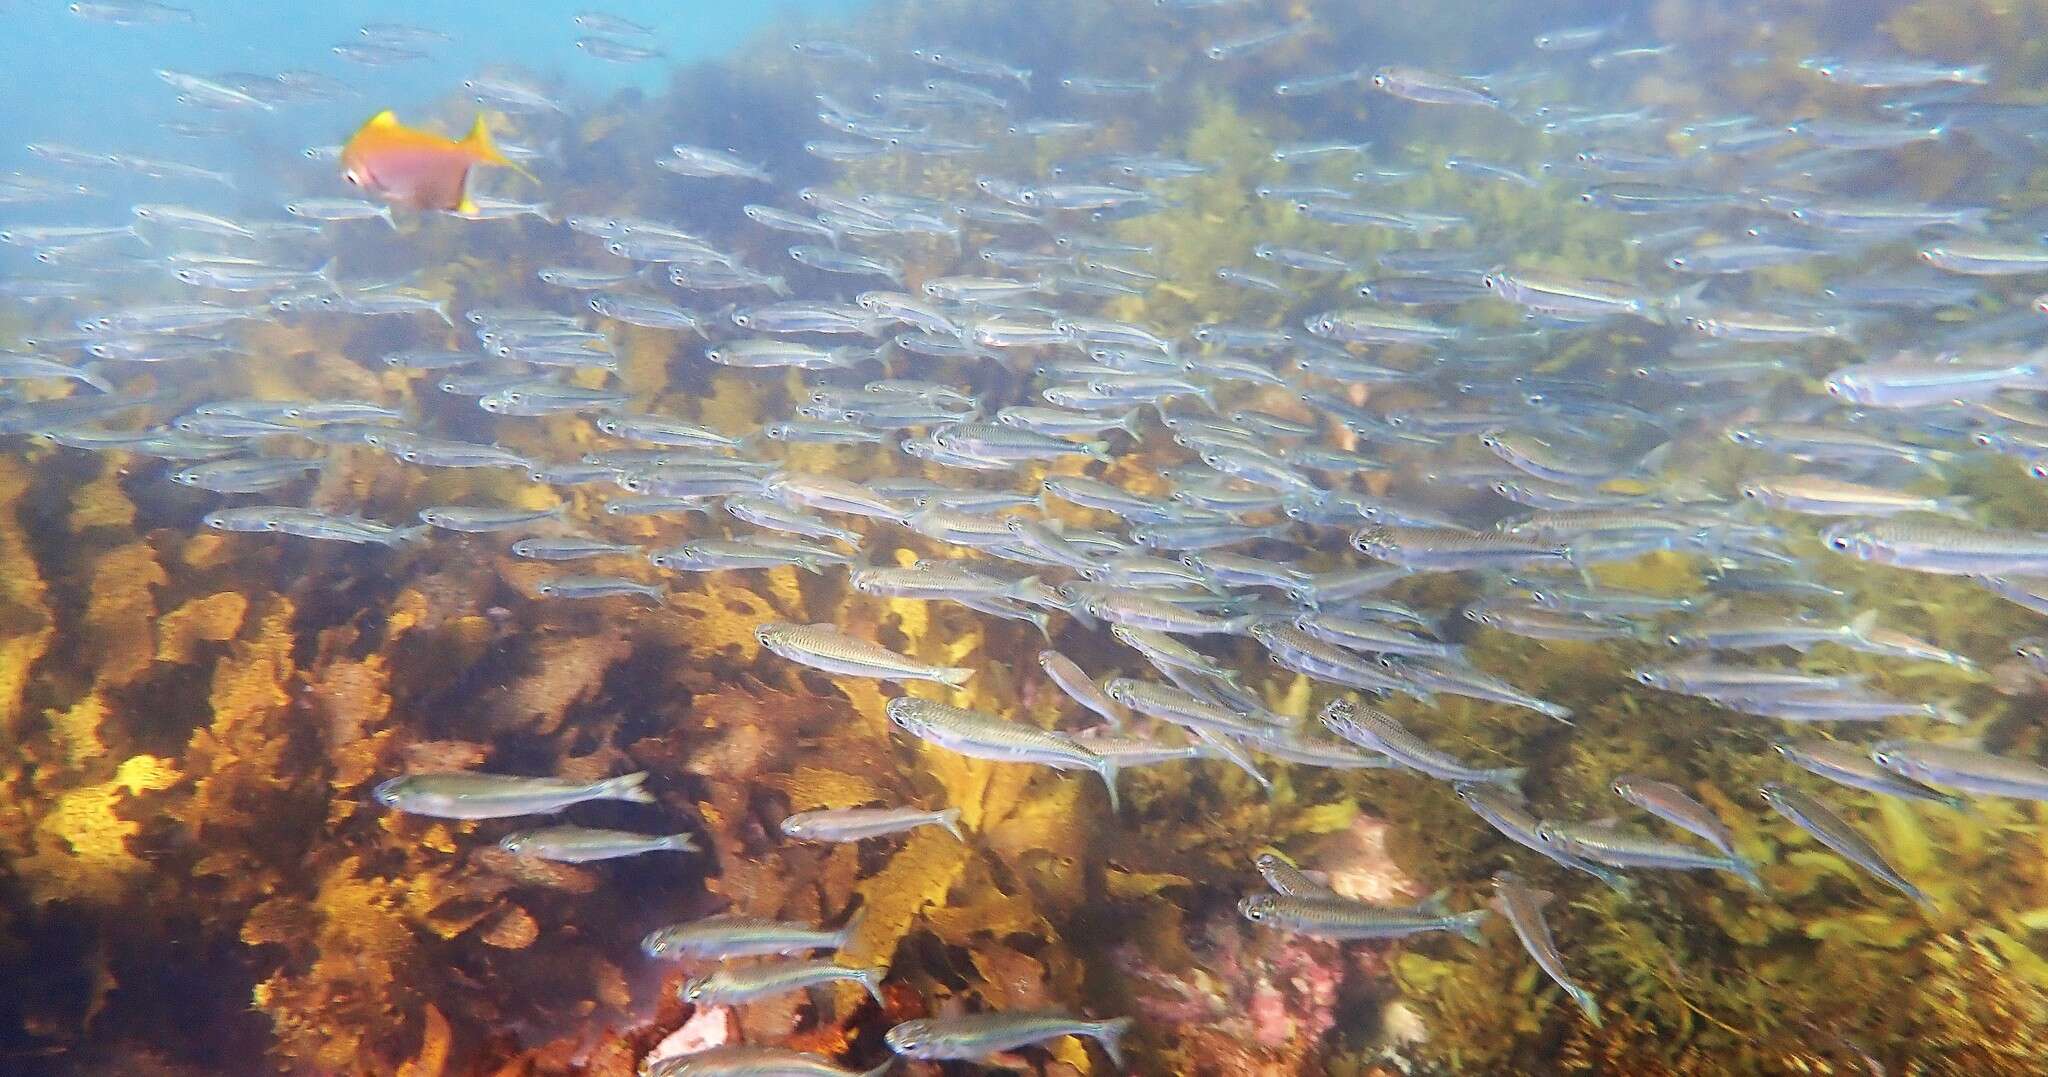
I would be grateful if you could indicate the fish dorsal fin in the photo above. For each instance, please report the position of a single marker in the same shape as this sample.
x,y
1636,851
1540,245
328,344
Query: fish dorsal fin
x,y
386,118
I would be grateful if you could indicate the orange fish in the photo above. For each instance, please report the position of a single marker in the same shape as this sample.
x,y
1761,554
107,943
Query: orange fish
x,y
410,167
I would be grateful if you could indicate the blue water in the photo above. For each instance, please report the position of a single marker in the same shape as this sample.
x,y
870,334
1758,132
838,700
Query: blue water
x,y
93,85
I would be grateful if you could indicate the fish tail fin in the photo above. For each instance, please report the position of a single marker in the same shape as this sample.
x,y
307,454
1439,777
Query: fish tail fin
x,y
1955,508
878,1071
1107,769
950,819
871,978
1746,871
1097,450
478,143
1654,460
1587,1004
1129,423
410,534
1042,621
326,273
90,375
778,286
680,843
1687,298
1437,904
1110,1035
956,676
1510,777
846,931
1467,924
626,787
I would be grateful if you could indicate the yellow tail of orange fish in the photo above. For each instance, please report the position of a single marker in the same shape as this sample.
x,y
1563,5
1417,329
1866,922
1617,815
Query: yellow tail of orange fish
x,y
478,142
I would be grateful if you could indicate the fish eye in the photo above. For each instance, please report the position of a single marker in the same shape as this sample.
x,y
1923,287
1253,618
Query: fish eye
x,y
272,524
1882,759
1838,542
1620,789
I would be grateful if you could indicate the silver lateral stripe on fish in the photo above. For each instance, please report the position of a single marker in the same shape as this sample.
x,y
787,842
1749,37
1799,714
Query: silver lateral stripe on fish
x,y
751,1060
732,986
977,1036
720,937
1967,769
1674,806
826,647
474,795
1341,918
1379,732
1849,765
1941,548
856,824
1522,907
1610,845
1832,831
580,845
985,736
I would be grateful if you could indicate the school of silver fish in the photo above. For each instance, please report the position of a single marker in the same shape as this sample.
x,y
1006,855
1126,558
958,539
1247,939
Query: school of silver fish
x,y
1417,396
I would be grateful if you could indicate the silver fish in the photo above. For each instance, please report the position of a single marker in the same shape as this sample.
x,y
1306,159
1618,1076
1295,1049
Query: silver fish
x,y
732,986
827,647
985,736
1834,832
473,795
977,1036
1343,919
1522,907
581,845
1967,769
856,824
